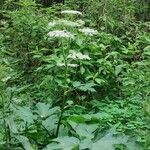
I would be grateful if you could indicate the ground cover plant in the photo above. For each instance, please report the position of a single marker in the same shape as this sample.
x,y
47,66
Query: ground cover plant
x,y
74,75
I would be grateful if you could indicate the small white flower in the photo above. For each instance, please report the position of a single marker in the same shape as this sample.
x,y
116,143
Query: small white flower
x,y
73,65
81,22
79,55
52,24
69,65
71,12
88,31
60,33
60,64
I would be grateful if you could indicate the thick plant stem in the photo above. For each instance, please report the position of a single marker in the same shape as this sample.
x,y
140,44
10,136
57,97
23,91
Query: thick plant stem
x,y
61,115
59,122
64,93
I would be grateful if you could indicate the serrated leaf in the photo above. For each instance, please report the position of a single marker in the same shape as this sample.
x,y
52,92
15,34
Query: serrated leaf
x,y
50,114
88,87
42,109
118,69
51,122
24,141
54,110
26,114
12,126
76,84
108,142
63,143
84,130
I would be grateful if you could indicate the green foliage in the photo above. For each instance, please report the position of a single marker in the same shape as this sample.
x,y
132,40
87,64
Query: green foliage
x,y
64,86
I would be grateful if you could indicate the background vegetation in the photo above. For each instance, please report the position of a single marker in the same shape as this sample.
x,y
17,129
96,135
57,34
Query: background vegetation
x,y
98,99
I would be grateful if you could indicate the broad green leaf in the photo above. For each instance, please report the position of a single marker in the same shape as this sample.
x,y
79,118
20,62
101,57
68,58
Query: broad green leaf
x,y
110,139
108,142
87,87
51,122
42,109
77,119
84,130
12,125
54,110
26,114
84,87
76,84
63,143
118,69
53,146
24,141
86,144
105,143
100,81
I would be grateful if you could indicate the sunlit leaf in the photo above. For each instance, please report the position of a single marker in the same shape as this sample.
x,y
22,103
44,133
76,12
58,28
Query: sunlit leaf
x,y
24,141
84,130
26,114
51,122
63,143
12,125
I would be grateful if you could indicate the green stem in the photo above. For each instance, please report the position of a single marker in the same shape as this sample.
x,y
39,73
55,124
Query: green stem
x,y
64,93
104,13
124,3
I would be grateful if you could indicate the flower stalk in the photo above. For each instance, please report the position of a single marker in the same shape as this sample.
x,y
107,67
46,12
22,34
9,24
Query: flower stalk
x,y
64,93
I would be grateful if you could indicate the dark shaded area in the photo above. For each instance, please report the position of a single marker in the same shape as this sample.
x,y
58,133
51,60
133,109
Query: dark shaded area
x,y
50,2
143,12
46,3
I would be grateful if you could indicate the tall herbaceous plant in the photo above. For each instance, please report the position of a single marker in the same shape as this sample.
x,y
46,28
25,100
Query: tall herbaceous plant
x,y
68,59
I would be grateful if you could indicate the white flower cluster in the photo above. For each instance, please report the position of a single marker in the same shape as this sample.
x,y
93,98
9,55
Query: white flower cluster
x,y
65,23
52,24
81,22
60,33
88,31
79,55
69,65
74,12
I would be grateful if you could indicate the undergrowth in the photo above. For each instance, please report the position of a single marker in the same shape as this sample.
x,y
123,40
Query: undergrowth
x,y
74,80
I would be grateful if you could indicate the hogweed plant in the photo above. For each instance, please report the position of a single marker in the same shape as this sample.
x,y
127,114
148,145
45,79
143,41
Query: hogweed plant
x,y
68,59
70,81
